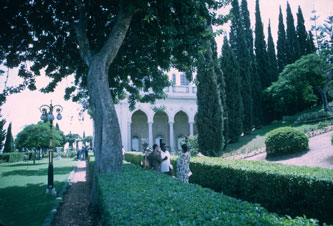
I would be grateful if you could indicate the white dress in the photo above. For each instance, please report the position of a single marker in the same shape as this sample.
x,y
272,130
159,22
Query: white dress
x,y
166,163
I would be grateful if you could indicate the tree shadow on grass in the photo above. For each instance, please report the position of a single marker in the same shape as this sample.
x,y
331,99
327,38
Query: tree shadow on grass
x,y
24,164
26,205
40,172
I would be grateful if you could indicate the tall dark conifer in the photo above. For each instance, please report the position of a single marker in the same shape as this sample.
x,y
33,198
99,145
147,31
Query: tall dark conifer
x,y
301,33
293,52
272,69
210,113
221,88
242,55
2,132
9,143
254,77
234,103
260,49
310,46
281,44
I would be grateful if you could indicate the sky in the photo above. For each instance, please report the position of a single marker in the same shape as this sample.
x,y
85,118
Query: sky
x,y
23,109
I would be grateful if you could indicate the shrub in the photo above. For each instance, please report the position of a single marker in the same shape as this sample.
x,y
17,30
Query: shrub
x,y
145,197
192,144
313,116
12,157
284,189
285,140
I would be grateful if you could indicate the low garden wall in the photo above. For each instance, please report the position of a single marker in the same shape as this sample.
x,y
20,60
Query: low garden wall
x,y
283,189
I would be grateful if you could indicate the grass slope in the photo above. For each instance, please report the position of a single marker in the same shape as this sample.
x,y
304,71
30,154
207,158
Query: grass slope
x,y
256,139
22,191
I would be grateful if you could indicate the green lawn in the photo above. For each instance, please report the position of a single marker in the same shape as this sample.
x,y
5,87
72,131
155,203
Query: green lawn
x,y
22,191
256,139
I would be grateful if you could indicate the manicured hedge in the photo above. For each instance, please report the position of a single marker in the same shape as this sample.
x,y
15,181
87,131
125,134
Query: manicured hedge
x,y
284,189
12,157
145,197
285,140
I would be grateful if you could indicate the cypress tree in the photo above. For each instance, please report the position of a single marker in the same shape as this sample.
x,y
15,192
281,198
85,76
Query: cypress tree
x,y
293,52
234,103
281,44
2,132
272,69
260,49
221,88
301,33
210,113
310,46
242,55
254,77
9,143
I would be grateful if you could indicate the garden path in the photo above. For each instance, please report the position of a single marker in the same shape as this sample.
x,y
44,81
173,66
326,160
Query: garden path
x,y
320,154
74,207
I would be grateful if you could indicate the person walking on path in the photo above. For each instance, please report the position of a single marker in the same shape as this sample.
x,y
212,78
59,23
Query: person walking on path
x,y
183,165
155,158
166,166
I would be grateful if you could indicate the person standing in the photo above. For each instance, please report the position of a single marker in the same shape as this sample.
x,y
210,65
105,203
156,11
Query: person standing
x,y
155,158
166,166
183,165
83,153
123,151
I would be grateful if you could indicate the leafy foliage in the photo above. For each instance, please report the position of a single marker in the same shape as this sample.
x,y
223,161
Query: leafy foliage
x,y
70,138
2,131
284,189
281,44
313,116
38,136
285,140
139,194
292,45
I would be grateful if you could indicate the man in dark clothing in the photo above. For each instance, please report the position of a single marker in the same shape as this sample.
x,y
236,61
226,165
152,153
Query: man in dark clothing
x,y
155,158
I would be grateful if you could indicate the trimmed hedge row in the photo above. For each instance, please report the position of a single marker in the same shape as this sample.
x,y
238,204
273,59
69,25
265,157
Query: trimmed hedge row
x,y
12,157
284,189
145,197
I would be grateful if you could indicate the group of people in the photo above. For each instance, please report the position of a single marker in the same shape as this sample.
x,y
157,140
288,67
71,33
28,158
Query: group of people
x,y
159,159
82,154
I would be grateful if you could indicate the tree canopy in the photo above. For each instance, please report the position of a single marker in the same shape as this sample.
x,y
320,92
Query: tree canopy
x,y
38,136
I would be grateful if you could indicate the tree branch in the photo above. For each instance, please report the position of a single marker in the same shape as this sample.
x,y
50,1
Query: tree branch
x,y
80,28
118,32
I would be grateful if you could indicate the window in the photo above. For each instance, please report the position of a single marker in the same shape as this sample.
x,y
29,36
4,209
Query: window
x,y
135,144
183,80
174,79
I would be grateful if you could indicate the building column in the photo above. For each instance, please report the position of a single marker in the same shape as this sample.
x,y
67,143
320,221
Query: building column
x,y
172,143
191,128
129,146
150,134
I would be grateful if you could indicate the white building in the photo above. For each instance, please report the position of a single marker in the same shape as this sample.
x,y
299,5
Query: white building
x,y
166,121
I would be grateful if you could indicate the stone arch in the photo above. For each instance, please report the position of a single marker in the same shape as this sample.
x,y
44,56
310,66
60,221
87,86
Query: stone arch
x,y
183,110
181,127
148,114
139,127
161,127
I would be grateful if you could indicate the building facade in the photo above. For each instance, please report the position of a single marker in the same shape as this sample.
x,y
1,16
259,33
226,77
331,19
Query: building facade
x,y
166,121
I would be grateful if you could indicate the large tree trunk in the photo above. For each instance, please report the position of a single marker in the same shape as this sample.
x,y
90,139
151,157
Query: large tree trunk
x,y
107,142
107,137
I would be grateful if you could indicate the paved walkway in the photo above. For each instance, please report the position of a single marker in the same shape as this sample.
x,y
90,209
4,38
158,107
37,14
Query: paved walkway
x,y
320,154
74,207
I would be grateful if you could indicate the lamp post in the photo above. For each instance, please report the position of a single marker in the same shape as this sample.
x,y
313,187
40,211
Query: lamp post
x,y
47,115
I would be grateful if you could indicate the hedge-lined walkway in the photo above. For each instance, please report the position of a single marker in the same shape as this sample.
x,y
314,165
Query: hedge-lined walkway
x,y
74,208
319,155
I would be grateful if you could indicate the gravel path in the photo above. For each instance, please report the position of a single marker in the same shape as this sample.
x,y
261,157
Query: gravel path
x,y
74,207
319,155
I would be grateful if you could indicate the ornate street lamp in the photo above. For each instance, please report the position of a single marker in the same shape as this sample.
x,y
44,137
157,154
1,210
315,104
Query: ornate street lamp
x,y
47,115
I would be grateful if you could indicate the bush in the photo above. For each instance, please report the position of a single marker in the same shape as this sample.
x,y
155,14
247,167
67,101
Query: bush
x,y
313,116
284,189
192,144
12,157
145,197
285,140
